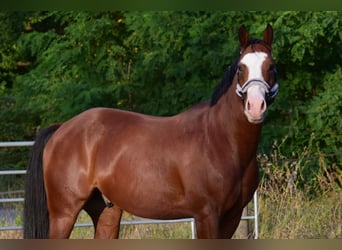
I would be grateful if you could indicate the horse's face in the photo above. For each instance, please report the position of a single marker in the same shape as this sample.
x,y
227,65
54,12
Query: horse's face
x,y
256,74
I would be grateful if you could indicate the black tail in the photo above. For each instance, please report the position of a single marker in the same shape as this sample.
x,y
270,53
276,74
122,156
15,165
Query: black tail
x,y
36,214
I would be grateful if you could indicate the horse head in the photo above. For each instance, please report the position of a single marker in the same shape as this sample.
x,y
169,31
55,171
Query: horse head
x,y
256,74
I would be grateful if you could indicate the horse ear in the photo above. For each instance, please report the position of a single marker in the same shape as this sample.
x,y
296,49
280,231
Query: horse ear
x,y
268,35
243,37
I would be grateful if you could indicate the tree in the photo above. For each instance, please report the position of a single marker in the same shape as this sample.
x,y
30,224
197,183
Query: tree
x,y
309,60
76,57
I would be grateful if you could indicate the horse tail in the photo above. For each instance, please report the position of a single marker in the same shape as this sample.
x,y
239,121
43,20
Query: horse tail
x,y
36,214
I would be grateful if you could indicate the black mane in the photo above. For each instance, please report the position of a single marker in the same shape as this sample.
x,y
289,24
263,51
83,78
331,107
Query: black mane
x,y
225,83
228,77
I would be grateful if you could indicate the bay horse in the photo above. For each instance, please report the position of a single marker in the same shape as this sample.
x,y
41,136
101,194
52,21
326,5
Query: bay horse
x,y
200,163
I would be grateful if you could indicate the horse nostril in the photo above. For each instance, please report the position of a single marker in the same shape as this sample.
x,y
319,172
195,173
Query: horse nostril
x,y
256,106
248,105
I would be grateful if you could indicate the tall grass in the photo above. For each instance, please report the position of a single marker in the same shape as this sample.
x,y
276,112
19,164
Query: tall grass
x,y
300,197
297,217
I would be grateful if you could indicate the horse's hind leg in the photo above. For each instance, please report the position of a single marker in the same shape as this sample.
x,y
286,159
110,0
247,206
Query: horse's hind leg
x,y
108,225
64,205
61,227
62,217
105,216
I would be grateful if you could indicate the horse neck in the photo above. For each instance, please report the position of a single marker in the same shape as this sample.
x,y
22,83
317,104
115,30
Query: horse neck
x,y
227,123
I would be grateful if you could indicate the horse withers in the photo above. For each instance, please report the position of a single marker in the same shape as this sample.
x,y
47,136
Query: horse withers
x,y
200,163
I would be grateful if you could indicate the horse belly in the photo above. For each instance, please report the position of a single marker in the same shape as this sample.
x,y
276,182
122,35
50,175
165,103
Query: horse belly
x,y
145,188
144,197
157,209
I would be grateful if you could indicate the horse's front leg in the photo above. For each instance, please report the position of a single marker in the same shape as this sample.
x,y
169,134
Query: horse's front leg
x,y
207,227
108,225
228,224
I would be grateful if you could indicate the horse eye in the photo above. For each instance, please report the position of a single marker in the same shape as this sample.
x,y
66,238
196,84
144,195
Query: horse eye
x,y
240,68
271,67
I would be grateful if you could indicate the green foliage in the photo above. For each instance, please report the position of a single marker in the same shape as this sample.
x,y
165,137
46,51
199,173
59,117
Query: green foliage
x,y
10,30
325,112
75,62
309,59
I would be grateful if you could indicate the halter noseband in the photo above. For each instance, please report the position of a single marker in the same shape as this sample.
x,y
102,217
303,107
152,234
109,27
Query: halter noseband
x,y
270,92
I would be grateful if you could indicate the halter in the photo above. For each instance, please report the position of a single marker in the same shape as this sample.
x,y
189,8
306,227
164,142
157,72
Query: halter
x,y
270,92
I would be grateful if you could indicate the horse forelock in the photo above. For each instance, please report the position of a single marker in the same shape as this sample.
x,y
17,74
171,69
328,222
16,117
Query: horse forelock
x,y
257,45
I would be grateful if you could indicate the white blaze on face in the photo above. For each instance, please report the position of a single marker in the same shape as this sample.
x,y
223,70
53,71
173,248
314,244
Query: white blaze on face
x,y
254,62
255,105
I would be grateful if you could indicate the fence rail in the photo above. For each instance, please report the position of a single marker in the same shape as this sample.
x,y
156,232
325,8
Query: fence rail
x,y
16,144
130,222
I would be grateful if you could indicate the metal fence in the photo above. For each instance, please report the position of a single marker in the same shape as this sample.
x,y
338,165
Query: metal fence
x,y
254,216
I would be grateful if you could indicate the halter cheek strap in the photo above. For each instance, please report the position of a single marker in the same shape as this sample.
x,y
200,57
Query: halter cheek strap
x,y
270,92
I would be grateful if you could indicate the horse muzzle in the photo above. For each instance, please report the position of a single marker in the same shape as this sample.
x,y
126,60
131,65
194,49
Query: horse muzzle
x,y
255,104
259,95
